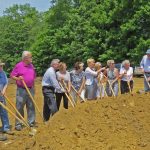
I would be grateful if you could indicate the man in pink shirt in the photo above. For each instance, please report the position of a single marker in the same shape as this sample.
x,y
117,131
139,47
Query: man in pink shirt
x,y
24,70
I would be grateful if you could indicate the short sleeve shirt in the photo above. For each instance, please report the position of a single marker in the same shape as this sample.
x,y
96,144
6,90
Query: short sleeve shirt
x,y
77,78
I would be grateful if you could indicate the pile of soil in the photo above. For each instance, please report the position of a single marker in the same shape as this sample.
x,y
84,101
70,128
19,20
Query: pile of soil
x,y
120,123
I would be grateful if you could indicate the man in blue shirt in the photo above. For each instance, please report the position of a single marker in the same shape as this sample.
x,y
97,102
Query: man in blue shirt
x,y
3,112
50,85
145,65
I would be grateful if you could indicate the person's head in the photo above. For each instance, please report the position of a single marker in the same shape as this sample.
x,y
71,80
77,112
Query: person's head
x,y
98,66
1,65
111,63
91,63
78,66
126,64
55,64
148,53
62,66
27,57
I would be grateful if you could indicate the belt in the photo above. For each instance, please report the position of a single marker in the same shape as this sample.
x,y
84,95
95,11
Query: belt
x,y
49,87
24,87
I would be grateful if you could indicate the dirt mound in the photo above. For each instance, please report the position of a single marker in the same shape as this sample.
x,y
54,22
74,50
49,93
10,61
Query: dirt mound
x,y
120,123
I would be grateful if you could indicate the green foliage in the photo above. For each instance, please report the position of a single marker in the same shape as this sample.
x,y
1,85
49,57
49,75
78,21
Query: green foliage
x,y
17,30
75,31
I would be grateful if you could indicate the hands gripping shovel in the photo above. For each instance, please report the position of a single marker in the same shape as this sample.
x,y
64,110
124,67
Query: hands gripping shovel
x,y
67,95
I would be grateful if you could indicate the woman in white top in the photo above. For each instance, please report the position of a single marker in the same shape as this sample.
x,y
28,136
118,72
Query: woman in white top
x,y
63,75
126,75
90,84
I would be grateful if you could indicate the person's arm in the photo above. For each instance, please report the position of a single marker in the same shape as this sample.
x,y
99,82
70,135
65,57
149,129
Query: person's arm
x,y
5,86
122,73
104,75
130,76
94,73
103,78
15,75
69,86
142,64
69,81
117,75
55,83
82,86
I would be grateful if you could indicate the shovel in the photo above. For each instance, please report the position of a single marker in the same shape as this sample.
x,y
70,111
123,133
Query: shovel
x,y
32,131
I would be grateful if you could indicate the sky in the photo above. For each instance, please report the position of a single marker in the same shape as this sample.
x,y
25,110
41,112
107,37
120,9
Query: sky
x,y
40,5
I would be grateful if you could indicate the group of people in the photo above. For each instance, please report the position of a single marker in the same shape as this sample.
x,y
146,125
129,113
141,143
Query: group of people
x,y
92,83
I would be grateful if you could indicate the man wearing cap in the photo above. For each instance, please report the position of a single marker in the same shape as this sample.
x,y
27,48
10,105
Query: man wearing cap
x,y
145,65
3,112
24,70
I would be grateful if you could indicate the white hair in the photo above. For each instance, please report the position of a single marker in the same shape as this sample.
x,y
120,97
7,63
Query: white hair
x,y
125,62
98,63
54,61
25,54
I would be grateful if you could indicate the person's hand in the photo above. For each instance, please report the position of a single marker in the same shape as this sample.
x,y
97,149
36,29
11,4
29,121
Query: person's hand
x,y
61,78
125,72
3,92
79,92
112,83
142,70
69,90
63,90
148,79
20,78
106,79
102,69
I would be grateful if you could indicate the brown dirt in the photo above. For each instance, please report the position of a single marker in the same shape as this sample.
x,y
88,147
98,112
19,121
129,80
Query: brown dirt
x,y
121,123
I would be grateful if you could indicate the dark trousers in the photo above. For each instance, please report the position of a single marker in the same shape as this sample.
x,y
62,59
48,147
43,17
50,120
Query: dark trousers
x,y
124,86
50,107
58,100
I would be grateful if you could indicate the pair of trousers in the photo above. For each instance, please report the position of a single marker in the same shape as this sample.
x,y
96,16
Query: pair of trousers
x,y
115,88
22,99
58,100
124,87
146,86
50,107
4,116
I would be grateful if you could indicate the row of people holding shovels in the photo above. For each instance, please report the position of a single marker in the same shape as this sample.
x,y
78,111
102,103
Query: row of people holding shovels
x,y
58,84
71,85
95,82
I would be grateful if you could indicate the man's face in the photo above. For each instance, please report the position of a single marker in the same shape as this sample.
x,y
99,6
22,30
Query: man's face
x,y
56,66
28,59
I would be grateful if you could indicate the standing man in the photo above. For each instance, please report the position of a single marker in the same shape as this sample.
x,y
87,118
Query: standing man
x,y
50,85
3,112
24,70
145,65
